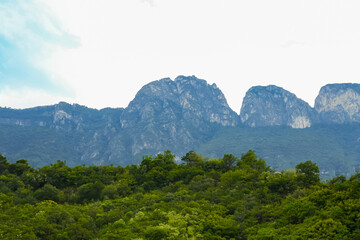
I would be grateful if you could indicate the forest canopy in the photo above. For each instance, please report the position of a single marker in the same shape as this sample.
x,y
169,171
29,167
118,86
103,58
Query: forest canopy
x,y
200,198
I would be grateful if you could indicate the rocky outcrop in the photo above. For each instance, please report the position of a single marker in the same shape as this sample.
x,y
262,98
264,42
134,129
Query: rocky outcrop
x,y
339,103
274,106
187,98
165,113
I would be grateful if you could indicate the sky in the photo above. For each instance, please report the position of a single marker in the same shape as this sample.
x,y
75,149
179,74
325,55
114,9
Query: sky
x,y
99,53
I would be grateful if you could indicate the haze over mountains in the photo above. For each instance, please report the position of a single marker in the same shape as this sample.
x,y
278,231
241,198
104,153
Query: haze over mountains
x,y
189,114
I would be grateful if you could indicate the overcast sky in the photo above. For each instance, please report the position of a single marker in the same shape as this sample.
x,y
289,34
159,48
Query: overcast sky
x,y
100,53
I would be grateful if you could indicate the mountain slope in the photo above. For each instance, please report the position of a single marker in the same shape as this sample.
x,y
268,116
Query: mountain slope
x,y
335,148
63,131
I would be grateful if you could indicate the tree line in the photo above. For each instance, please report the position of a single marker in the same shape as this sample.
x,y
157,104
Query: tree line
x,y
200,198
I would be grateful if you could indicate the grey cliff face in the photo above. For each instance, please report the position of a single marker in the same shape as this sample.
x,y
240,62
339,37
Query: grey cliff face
x,y
272,106
339,103
169,112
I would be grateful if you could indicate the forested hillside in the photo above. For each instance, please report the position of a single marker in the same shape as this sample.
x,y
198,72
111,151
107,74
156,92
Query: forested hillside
x,y
335,148
225,198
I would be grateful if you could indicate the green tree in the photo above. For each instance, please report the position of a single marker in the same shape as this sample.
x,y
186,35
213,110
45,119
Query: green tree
x,y
296,211
19,167
228,162
90,191
57,174
48,192
308,174
193,159
4,165
327,229
110,192
282,183
250,159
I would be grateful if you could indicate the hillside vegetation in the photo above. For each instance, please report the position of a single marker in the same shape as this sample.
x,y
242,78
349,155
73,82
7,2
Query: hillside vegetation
x,y
225,198
335,148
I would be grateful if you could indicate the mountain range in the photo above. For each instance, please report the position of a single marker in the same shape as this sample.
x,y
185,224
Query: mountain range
x,y
189,114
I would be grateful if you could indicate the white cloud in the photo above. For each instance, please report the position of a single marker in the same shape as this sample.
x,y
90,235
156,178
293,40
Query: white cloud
x,y
28,97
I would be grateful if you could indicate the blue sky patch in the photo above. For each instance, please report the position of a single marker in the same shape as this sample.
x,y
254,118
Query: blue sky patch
x,y
28,32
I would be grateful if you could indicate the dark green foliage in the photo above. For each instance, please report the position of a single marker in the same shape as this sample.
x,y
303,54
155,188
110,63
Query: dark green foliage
x,y
282,184
48,192
90,192
192,159
228,162
226,198
4,165
308,173
297,210
249,159
19,167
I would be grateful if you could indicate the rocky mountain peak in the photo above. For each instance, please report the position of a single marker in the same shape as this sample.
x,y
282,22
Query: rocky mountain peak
x,y
272,105
339,103
190,80
184,110
185,97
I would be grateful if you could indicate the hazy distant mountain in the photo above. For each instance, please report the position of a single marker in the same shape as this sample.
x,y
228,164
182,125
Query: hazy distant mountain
x,y
189,114
60,116
73,133
274,106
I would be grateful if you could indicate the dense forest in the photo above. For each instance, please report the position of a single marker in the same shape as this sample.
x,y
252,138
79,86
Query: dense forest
x,y
201,198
